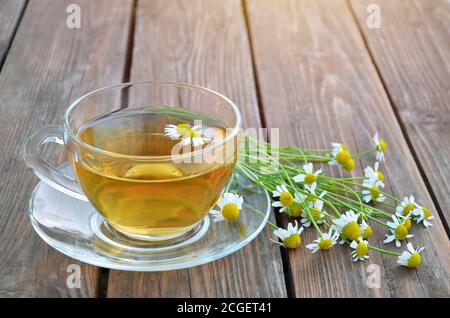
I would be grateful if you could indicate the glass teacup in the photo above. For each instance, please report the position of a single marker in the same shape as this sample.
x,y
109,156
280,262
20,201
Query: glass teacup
x,y
151,157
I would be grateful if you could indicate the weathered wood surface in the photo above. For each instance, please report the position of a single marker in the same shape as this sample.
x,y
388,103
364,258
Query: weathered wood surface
x,y
49,65
204,43
318,84
412,53
10,14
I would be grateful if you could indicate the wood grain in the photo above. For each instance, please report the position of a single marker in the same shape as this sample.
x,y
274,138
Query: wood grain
x,y
318,84
412,53
204,43
48,66
10,13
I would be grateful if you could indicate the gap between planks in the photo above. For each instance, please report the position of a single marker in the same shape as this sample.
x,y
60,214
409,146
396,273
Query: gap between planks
x,y
13,35
103,277
288,278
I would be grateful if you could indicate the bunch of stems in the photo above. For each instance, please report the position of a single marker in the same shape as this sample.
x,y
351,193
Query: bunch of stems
x,y
269,166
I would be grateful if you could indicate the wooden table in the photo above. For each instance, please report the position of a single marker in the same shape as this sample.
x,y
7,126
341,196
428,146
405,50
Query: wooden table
x,y
313,68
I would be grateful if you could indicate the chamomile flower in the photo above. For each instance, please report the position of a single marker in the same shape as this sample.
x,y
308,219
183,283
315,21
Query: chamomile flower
x,y
285,197
422,214
399,231
410,258
187,134
407,206
230,205
361,249
310,176
337,148
347,225
372,192
312,190
315,213
407,222
324,242
366,230
374,173
290,237
381,147
341,157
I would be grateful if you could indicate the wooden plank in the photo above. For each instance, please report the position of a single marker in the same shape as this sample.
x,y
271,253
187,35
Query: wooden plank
x,y
10,13
412,53
205,43
319,85
48,66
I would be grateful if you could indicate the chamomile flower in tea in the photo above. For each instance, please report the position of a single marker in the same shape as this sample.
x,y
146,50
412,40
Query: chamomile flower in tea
x,y
186,134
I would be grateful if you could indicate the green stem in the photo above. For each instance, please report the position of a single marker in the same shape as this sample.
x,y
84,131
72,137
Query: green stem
x,y
274,226
383,251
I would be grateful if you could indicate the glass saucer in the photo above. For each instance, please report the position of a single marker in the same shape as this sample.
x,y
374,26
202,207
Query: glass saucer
x,y
75,228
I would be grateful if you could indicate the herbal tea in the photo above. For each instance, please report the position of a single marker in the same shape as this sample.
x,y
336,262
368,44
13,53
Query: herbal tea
x,y
152,197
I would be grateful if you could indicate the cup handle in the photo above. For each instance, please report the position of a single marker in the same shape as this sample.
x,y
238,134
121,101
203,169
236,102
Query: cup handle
x,y
31,153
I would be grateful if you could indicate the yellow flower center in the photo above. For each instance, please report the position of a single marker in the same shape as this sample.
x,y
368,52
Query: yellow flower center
x,y
351,231
295,209
349,165
315,214
380,176
310,178
415,260
286,198
367,232
325,244
408,208
183,128
383,145
407,223
194,133
361,249
401,232
343,157
230,211
186,130
343,147
374,192
292,241
426,211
